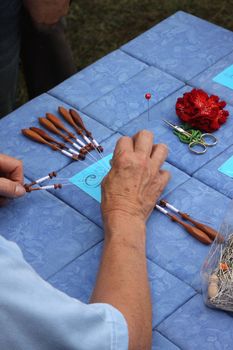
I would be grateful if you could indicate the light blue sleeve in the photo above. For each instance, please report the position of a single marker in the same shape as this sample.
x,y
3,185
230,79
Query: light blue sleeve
x,y
36,316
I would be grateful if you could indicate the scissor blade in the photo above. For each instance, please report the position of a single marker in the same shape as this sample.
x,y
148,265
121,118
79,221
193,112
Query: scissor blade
x,y
177,128
170,124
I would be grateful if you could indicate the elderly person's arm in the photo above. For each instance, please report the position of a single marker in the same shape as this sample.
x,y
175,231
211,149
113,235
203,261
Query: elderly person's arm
x,y
43,317
129,194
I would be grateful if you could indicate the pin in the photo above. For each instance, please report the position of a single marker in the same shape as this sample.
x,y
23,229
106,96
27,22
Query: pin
x,y
148,97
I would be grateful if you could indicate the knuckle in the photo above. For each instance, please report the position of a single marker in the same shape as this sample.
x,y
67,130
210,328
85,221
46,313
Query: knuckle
x,y
122,140
124,160
125,138
142,161
163,147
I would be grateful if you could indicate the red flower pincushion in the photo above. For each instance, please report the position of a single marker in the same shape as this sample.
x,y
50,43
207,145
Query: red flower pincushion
x,y
201,111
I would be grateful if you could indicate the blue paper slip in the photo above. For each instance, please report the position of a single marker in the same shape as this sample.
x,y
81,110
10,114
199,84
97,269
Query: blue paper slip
x,y
89,180
227,167
225,78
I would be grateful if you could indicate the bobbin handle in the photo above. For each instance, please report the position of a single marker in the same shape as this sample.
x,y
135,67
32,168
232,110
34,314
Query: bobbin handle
x,y
56,121
78,120
194,231
50,126
35,137
88,138
66,115
46,136
212,233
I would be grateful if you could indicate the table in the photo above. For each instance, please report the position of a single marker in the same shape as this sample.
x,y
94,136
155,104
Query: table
x,y
60,232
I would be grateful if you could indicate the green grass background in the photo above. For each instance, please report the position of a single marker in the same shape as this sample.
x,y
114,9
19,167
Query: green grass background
x,y
97,27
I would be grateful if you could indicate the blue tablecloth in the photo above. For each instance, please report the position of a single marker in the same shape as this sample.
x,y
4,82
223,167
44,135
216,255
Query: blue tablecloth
x,y
60,232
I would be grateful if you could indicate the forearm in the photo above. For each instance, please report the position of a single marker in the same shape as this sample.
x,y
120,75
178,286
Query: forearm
x,y
122,280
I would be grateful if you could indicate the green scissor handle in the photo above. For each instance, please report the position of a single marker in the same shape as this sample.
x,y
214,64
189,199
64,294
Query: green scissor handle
x,y
193,137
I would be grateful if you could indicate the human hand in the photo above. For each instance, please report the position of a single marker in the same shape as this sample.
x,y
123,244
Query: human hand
x,y
47,12
136,180
11,178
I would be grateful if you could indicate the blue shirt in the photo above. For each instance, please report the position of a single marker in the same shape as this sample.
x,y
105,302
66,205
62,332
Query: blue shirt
x,y
36,316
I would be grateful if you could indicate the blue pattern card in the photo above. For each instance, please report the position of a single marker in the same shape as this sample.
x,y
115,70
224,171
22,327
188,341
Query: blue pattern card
x,y
89,180
227,167
225,78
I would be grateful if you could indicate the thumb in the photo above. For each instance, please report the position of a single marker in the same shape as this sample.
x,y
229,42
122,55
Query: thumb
x,y
11,189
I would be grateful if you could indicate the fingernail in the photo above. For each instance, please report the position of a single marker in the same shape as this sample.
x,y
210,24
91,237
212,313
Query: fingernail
x,y
19,190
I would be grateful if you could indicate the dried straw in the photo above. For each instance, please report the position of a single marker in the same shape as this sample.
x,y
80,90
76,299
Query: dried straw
x,y
220,292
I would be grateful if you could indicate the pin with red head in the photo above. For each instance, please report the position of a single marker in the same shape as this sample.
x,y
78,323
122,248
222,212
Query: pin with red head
x,y
148,97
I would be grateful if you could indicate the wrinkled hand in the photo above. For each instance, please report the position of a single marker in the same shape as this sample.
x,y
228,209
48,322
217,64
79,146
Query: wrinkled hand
x,y
136,180
11,178
47,12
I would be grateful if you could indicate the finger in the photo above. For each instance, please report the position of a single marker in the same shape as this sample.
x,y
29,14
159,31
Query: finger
x,y
124,144
11,189
143,142
158,155
12,167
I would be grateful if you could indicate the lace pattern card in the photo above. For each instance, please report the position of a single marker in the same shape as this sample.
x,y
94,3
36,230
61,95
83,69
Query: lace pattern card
x,y
89,180
225,78
227,167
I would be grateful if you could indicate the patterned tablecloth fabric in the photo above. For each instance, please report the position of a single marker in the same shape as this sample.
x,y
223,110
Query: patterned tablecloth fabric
x,y
60,232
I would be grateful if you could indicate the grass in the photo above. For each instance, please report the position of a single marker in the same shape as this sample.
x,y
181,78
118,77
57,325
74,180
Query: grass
x,y
97,27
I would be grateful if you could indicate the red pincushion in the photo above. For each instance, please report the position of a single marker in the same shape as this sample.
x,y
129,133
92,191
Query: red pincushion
x,y
201,111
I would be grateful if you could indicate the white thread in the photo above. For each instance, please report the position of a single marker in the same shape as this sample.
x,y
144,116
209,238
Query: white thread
x,y
73,151
67,153
95,143
164,211
81,143
86,139
76,146
49,187
169,206
42,179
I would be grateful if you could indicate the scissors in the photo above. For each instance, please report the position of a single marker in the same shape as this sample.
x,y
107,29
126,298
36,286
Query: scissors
x,y
200,141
